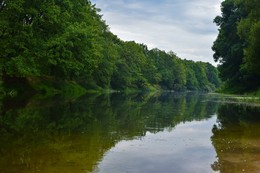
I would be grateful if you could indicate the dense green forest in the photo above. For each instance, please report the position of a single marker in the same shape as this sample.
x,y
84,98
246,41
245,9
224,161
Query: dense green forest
x,y
54,43
237,46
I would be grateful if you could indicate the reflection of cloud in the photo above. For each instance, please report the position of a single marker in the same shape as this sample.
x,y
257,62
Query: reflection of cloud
x,y
177,25
186,148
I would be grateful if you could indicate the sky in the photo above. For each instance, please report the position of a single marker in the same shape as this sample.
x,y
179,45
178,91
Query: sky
x,y
183,26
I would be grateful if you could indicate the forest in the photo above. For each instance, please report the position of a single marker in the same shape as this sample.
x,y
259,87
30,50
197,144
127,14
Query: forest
x,y
61,45
237,47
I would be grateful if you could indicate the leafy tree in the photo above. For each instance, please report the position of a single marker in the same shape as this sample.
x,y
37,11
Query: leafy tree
x,y
192,82
57,38
228,46
68,41
248,29
129,67
103,73
179,75
151,71
237,46
212,75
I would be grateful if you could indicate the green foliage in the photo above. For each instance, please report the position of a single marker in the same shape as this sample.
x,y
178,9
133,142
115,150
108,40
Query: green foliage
x,y
129,68
237,45
249,30
103,73
228,47
58,38
68,41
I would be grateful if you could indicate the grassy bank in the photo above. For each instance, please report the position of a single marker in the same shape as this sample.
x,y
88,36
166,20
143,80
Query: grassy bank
x,y
43,87
251,99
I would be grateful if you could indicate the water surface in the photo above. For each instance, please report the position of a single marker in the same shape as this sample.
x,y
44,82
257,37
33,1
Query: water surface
x,y
162,132
186,148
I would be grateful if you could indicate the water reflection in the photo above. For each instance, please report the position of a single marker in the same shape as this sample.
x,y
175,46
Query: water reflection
x,y
185,149
236,139
58,135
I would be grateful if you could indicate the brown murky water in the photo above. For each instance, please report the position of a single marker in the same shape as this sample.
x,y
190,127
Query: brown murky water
x,y
118,133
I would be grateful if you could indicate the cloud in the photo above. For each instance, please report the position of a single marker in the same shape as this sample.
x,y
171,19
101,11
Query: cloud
x,y
186,27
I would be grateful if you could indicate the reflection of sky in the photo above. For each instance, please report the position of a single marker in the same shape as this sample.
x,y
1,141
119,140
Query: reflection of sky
x,y
187,148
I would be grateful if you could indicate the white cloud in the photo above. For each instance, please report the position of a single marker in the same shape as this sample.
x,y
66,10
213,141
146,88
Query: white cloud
x,y
186,27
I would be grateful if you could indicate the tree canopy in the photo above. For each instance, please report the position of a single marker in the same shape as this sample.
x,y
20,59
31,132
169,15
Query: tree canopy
x,y
69,41
237,45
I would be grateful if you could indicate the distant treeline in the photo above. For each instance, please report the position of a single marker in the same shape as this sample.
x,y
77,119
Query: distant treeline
x,y
237,46
66,40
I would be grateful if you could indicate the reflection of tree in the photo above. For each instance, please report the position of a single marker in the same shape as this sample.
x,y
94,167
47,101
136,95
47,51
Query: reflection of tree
x,y
168,110
236,139
72,136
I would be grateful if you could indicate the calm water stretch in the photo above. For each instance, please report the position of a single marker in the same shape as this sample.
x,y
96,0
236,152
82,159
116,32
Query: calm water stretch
x,y
134,133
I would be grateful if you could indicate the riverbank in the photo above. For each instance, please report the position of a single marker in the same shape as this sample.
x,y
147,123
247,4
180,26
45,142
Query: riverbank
x,y
251,99
69,90
48,87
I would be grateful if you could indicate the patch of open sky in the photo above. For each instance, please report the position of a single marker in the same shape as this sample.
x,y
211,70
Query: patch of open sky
x,y
177,25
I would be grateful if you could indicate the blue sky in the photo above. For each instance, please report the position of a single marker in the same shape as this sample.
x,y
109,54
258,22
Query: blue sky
x,y
184,26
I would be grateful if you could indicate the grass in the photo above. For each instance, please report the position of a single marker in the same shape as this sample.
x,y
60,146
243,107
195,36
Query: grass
x,y
251,100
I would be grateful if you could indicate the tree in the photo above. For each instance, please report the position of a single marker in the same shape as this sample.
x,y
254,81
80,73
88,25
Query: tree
x,y
103,73
130,67
228,46
56,38
249,30
237,45
212,75
67,40
192,82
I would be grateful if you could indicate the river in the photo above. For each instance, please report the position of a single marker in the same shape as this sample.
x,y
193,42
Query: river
x,y
129,133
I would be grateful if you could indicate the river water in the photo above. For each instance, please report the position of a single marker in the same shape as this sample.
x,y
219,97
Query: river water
x,y
129,133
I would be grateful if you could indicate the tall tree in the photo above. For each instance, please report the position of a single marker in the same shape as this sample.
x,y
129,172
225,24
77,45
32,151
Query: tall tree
x,y
228,46
52,37
249,30
68,40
